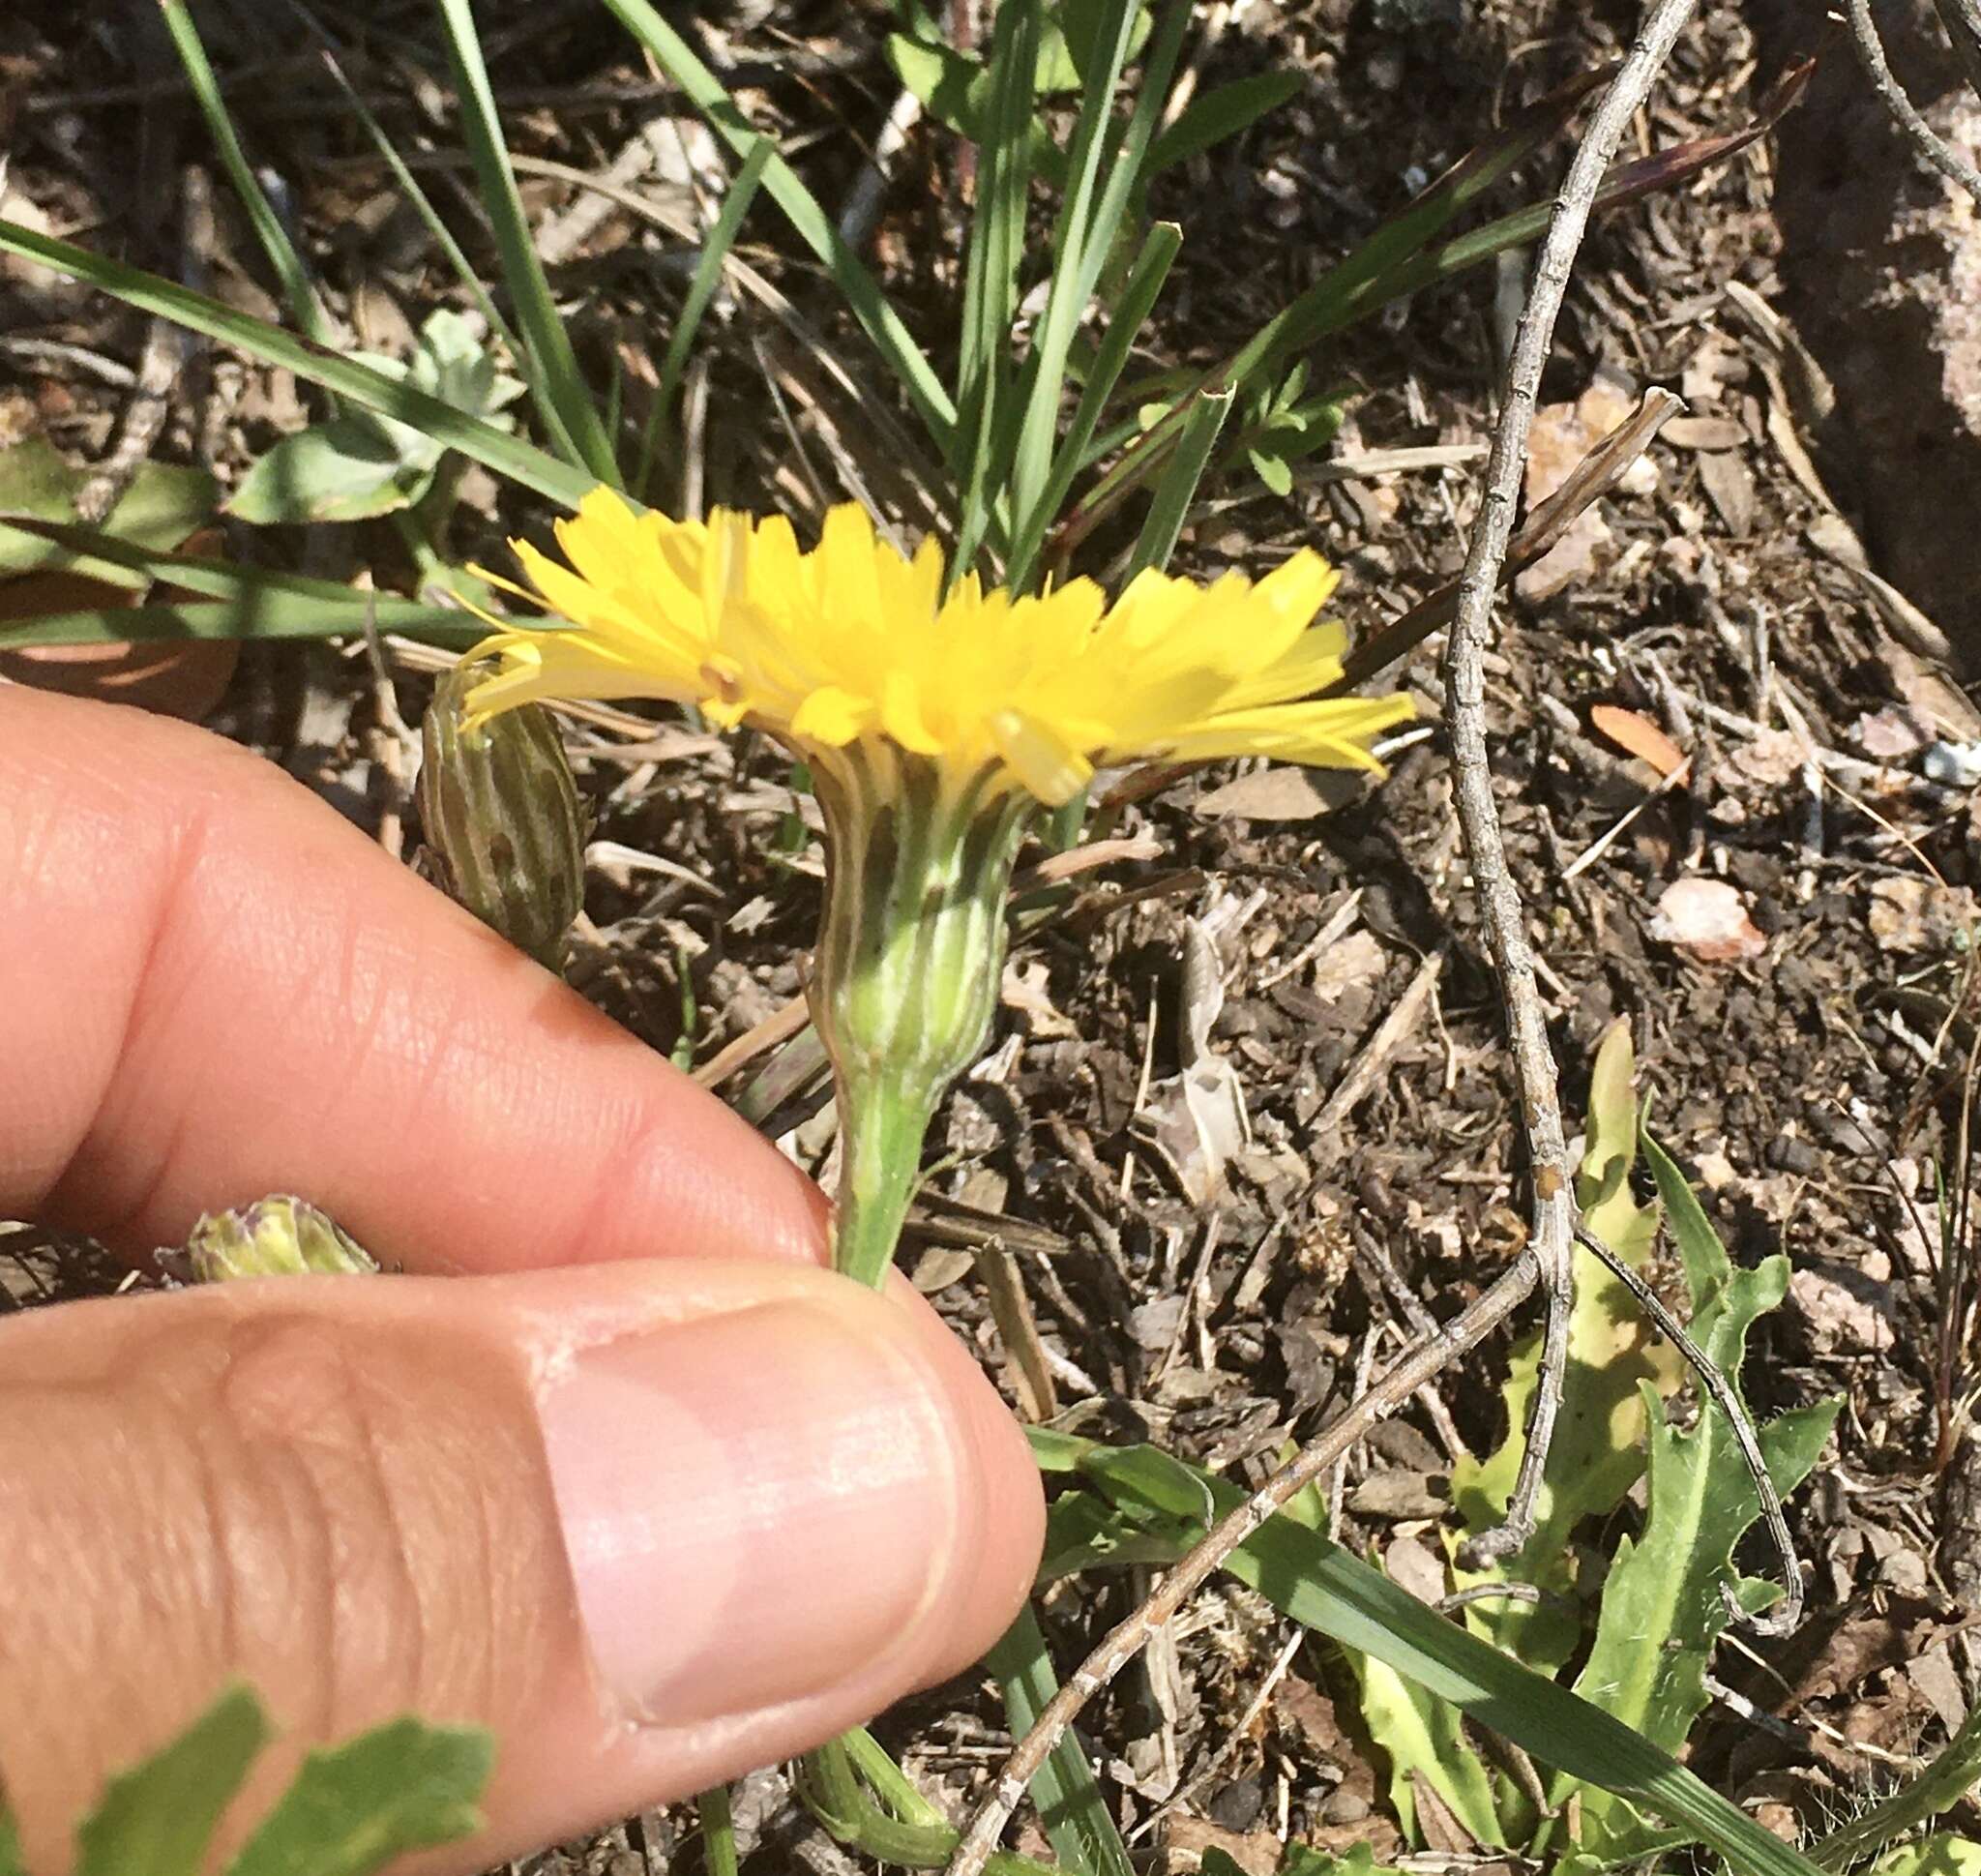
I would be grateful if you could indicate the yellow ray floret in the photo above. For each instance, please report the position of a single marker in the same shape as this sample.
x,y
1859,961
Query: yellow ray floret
x,y
851,643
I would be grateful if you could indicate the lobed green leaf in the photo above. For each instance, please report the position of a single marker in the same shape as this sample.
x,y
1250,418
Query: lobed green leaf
x,y
158,1818
353,1809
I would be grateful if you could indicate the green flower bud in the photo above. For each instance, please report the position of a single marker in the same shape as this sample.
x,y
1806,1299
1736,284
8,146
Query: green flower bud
x,y
276,1236
505,829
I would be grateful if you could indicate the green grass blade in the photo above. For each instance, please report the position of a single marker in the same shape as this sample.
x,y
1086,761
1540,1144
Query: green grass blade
x,y
1072,238
847,1808
69,547
494,449
1330,1590
889,1783
257,612
1221,113
1127,169
422,203
702,290
304,306
1339,297
257,601
1177,487
1945,1783
563,399
1137,298
990,279
1627,183
717,1831
1069,1802
1325,306
863,295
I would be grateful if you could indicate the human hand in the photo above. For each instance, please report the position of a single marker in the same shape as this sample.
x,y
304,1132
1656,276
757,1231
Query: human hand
x,y
623,1474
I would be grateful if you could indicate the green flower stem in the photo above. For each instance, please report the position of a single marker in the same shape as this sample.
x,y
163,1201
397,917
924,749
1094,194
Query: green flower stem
x,y
865,1800
883,1124
911,952
717,1831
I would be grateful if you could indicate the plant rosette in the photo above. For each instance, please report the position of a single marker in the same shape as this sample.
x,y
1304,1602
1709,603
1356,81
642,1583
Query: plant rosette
x,y
938,724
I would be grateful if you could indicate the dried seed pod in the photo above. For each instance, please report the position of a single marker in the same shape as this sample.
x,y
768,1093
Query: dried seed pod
x,y
504,827
277,1236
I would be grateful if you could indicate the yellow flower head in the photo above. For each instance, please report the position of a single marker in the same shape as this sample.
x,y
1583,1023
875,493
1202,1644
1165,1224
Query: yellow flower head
x,y
850,643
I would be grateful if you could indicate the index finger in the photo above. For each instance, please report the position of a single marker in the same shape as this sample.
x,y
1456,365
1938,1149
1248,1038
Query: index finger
x,y
212,987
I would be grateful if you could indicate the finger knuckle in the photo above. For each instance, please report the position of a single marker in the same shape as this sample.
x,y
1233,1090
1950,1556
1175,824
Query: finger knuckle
x,y
379,1526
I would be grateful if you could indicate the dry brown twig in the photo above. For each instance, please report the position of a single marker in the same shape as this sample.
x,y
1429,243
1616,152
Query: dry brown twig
x,y
1721,1392
1595,475
1962,19
1552,1216
1598,472
1959,16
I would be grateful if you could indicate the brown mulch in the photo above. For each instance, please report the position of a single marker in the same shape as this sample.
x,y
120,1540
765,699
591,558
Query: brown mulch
x,y
1217,1309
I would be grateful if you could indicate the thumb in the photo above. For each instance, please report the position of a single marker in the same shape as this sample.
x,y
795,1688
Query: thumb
x,y
653,1523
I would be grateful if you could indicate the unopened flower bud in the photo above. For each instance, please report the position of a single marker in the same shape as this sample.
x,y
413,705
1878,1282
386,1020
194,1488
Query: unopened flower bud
x,y
277,1236
505,829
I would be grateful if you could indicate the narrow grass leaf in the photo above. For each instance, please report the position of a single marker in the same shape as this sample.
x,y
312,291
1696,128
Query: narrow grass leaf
x,y
1128,162
991,275
1177,487
702,290
1221,113
1328,1588
158,1818
718,1831
845,1804
889,1783
422,203
353,1807
1078,235
1137,299
1339,298
1629,182
1326,306
256,613
1945,1783
1068,1800
862,292
297,289
11,1861
506,456
563,399
145,565
251,601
